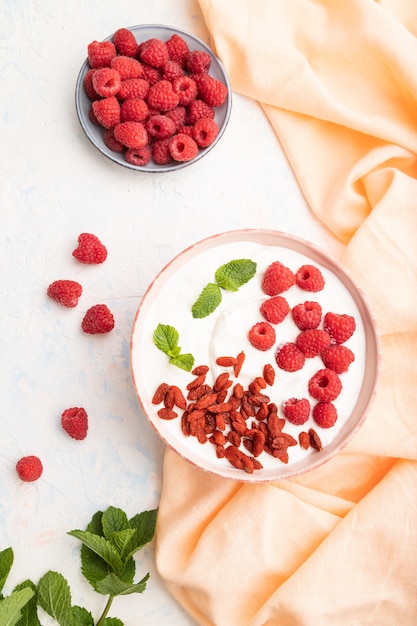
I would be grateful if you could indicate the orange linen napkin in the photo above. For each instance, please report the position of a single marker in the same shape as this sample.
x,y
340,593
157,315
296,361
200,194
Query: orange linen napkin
x,y
337,546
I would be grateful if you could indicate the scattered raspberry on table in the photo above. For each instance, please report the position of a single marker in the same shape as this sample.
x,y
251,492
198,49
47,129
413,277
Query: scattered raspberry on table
x,y
29,468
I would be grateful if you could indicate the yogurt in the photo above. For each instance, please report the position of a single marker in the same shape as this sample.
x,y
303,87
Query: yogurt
x,y
225,333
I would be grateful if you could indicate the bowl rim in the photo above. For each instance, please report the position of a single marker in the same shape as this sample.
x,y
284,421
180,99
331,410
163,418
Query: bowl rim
x,y
152,167
372,342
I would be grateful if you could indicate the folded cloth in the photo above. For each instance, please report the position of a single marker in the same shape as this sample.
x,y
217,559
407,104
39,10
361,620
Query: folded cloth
x,y
335,546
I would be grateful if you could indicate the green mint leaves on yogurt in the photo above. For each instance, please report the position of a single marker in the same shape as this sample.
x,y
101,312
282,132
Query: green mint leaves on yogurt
x,y
230,277
166,338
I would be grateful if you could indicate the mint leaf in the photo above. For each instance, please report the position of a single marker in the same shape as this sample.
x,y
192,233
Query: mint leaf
x,y
54,597
121,541
6,562
208,300
29,611
166,338
234,274
81,617
184,361
112,621
113,586
144,524
113,520
11,606
100,546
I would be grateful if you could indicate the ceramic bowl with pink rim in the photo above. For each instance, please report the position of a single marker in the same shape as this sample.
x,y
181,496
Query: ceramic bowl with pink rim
x,y
221,112
211,377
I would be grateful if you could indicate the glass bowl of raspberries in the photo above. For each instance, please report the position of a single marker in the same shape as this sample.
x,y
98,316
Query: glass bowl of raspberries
x,y
152,98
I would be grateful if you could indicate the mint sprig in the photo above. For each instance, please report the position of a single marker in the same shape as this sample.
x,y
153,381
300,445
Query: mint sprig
x,y
230,276
108,546
166,338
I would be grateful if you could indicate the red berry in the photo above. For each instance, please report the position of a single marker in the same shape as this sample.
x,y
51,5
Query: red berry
x,y
133,110
107,111
309,278
290,358
177,115
197,109
152,74
160,126
307,315
297,411
275,309
127,67
133,88
186,89
162,97
90,249
338,358
277,279
131,134
177,49
171,71
160,151
29,468
98,319
312,342
262,336
106,82
65,292
111,142
154,52
325,385
325,414
138,156
205,132
182,147
125,42
211,90
88,85
198,61
340,327
100,53
75,422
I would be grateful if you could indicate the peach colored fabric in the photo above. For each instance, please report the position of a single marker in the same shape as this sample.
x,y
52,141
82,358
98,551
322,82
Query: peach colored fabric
x,y
338,82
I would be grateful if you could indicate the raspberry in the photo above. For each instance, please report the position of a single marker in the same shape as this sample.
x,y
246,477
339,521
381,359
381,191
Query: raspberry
x,y
133,110
211,90
198,61
309,278
131,134
162,97
98,319
100,53
338,358
160,151
197,109
177,49
152,74
171,71
92,116
90,250
75,422
275,309
325,414
178,116
88,85
138,156
205,132
107,111
312,342
125,42
262,336
160,126
289,357
325,385
307,315
106,82
65,292
277,279
111,142
127,67
182,147
154,52
186,89
297,411
340,327
133,88
29,468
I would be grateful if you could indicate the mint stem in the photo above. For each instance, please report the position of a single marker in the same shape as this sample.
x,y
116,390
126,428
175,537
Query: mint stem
x,y
106,610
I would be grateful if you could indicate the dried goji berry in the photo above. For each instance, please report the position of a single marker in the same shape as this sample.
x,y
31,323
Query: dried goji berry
x,y
269,374
167,414
225,361
239,362
160,393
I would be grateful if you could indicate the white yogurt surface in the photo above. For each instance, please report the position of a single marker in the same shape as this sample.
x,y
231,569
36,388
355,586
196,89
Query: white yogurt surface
x,y
225,333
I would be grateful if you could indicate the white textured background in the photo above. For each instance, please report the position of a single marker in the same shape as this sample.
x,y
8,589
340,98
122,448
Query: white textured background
x,y
53,186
